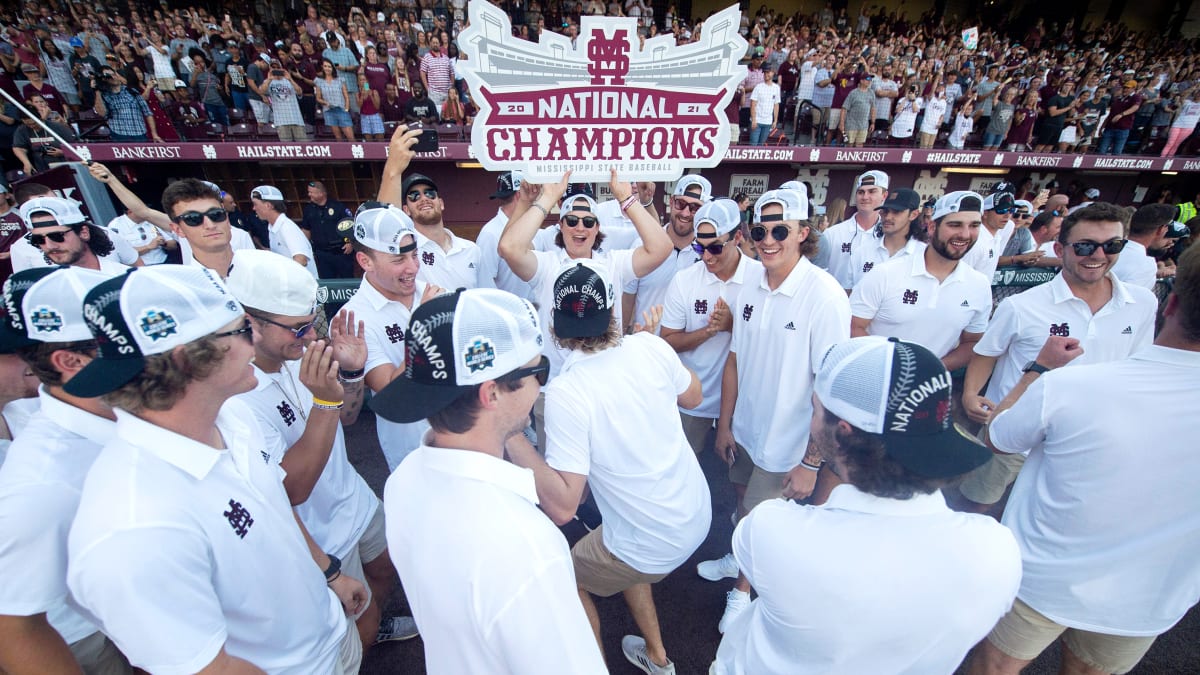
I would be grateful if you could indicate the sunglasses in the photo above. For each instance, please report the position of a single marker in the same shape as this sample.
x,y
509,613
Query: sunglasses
x,y
1086,248
690,206
36,240
296,331
246,330
715,248
415,195
541,371
1003,212
778,232
588,221
1023,214
196,218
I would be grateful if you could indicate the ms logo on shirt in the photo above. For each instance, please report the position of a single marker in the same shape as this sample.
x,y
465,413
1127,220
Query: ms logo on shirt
x,y
394,333
239,518
867,266
747,312
286,413
1060,329
910,297
428,258
845,248
701,307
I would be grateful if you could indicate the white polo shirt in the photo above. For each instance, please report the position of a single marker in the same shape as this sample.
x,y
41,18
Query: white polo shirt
x,y
985,254
239,241
493,271
1097,431
453,269
841,239
651,289
903,300
341,504
40,484
618,266
1022,323
138,235
544,239
619,231
689,303
1135,267
602,413
179,549
459,523
901,586
870,252
386,323
287,240
780,337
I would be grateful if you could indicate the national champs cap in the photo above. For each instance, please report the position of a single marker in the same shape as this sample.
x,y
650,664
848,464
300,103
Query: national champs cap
x,y
999,201
574,194
901,391
693,185
63,211
382,228
148,311
962,200
874,177
45,304
455,341
583,300
795,206
271,283
723,214
507,184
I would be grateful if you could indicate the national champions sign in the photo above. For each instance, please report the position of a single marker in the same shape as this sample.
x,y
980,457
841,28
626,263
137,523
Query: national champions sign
x,y
604,102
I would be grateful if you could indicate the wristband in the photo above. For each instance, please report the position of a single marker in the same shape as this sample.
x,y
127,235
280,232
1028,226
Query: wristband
x,y
327,405
628,202
335,567
351,375
810,467
545,213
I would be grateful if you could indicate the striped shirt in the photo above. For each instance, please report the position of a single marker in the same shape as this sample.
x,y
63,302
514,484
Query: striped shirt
x,y
439,72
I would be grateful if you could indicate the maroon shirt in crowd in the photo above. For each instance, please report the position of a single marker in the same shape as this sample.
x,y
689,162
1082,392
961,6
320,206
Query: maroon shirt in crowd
x,y
12,228
1120,105
843,84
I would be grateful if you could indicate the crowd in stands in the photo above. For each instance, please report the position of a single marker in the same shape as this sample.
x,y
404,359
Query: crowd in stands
x,y
170,74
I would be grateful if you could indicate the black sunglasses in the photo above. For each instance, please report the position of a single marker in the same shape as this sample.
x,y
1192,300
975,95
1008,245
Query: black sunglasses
x,y
297,331
414,195
246,330
1086,248
588,221
1003,212
690,206
541,371
778,232
715,248
196,218
1023,214
57,237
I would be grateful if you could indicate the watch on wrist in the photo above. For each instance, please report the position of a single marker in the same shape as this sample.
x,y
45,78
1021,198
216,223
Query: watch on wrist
x,y
335,566
1035,367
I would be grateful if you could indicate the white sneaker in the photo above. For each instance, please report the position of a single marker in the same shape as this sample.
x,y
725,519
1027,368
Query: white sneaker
x,y
724,567
634,649
736,602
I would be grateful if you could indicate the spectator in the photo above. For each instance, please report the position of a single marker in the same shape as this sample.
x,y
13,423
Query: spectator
x,y
58,71
857,120
12,230
1117,125
394,101
86,68
1184,124
35,148
764,108
1059,109
160,56
420,108
235,78
281,93
183,110
345,66
129,116
437,73
907,109
368,103
886,88
207,86
256,75
844,82
1021,131
303,70
332,96
37,86
936,108
1000,119
964,124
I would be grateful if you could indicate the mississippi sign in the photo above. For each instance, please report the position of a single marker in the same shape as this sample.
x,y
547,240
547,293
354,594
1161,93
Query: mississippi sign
x,y
650,111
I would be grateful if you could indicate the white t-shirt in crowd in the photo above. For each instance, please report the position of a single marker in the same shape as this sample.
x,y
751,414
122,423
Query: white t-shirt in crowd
x,y
689,303
458,524
905,121
1096,431
287,240
765,96
603,412
1189,115
901,586
1134,266
935,115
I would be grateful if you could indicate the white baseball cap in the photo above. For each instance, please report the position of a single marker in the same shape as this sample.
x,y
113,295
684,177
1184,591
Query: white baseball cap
x,y
45,304
271,283
382,228
266,193
693,185
63,211
723,214
458,340
149,310
962,200
795,207
874,177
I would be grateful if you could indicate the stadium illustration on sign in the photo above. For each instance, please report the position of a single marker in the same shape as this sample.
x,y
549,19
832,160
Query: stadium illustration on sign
x,y
603,103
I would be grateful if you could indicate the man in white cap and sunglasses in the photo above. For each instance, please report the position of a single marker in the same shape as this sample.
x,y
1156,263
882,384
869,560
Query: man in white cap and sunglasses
x,y
385,246
286,238
697,320
186,550
65,236
42,477
656,505
303,400
931,298
882,577
487,575
691,192
1111,319
870,191
783,321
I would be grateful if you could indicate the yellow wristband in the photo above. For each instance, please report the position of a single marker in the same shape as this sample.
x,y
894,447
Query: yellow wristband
x,y
327,405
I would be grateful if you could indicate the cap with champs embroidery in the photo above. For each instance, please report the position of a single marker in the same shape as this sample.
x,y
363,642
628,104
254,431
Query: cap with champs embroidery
x,y
148,311
507,185
583,300
45,304
383,227
455,341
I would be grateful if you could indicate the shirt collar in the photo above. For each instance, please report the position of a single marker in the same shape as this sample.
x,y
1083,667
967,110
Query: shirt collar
x,y
377,301
456,243
846,497
481,467
76,420
1062,292
739,273
1168,356
192,457
795,278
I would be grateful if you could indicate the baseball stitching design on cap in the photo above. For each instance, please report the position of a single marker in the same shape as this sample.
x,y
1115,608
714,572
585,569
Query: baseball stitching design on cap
x,y
963,200
997,200
583,301
507,184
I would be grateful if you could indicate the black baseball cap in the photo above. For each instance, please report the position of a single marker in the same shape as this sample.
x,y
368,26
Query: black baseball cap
x,y
583,301
417,179
901,199
507,185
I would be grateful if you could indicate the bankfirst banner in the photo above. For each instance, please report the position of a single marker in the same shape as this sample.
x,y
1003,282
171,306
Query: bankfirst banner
x,y
604,100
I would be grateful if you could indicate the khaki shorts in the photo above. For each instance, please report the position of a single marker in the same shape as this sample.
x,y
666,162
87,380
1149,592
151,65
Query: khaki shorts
x,y
370,546
856,136
986,485
696,429
1024,633
292,132
761,485
97,655
601,573
832,117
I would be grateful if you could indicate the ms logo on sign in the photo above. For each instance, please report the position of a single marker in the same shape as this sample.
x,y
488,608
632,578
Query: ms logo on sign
x,y
701,307
1060,329
747,312
609,57
910,297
